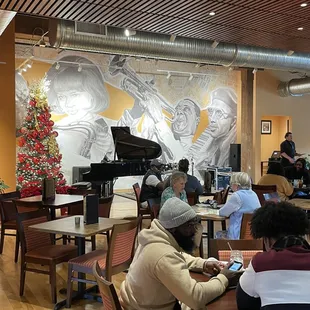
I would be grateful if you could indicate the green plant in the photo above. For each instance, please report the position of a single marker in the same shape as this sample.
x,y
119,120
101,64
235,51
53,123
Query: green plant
x,y
3,186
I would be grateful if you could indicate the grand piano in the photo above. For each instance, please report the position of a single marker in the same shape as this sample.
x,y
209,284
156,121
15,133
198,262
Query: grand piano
x,y
134,155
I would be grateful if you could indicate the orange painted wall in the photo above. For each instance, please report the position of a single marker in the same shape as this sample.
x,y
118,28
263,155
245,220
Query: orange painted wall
x,y
7,107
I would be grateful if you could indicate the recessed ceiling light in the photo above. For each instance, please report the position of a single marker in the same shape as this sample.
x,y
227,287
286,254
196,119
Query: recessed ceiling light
x,y
212,13
300,28
303,5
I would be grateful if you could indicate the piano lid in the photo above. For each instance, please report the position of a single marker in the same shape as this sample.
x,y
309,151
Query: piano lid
x,y
128,146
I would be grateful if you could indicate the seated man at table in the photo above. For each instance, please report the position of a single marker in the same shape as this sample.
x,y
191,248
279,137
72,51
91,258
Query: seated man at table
x,y
159,275
279,277
298,172
243,200
152,184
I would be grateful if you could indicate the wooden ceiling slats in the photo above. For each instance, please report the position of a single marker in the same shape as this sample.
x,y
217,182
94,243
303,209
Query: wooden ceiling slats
x,y
268,23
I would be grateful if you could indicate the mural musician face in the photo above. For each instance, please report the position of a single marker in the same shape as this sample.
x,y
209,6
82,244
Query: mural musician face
x,y
186,118
222,112
75,93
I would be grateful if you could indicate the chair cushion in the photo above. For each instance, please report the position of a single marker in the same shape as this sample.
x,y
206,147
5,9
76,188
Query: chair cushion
x,y
87,260
52,252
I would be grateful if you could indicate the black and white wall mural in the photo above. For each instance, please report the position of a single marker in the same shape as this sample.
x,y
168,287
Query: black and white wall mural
x,y
191,112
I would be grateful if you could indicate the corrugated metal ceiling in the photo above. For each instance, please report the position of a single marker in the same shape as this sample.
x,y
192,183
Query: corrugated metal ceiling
x,y
267,23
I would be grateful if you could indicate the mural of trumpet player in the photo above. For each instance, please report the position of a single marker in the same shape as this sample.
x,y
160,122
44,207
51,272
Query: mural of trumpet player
x,y
77,93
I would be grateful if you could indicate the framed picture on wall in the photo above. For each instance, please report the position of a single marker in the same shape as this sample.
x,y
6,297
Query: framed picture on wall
x,y
266,127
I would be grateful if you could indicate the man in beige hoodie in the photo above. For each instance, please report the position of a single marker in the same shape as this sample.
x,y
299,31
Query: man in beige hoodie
x,y
159,275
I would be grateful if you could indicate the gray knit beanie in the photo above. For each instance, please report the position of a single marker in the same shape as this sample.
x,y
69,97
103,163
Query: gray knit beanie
x,y
175,213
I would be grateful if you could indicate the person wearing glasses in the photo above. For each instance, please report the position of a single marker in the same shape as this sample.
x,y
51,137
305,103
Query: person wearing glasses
x,y
243,200
213,145
159,278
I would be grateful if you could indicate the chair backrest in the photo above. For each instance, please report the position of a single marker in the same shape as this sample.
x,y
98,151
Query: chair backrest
x,y
154,206
7,210
10,195
7,207
192,198
105,204
224,255
219,248
25,206
221,197
81,191
260,190
107,290
31,239
121,247
245,231
137,190
272,197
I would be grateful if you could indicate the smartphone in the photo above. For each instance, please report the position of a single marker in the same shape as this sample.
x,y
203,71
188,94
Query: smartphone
x,y
235,266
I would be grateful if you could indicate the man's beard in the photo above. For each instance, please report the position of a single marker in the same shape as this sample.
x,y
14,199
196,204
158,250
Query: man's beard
x,y
185,242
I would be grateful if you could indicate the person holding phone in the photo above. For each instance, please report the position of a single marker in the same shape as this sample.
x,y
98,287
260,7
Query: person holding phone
x,y
159,276
279,277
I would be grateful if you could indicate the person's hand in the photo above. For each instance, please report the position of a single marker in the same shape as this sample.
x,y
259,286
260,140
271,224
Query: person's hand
x,y
212,267
291,160
232,276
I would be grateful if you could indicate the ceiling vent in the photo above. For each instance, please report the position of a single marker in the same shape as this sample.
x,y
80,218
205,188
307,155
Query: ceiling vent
x,y
90,29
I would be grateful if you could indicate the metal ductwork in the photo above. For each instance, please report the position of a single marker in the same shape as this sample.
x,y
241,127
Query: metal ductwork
x,y
62,34
294,87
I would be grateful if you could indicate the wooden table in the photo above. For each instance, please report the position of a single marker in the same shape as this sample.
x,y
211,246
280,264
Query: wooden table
x,y
66,226
301,203
226,301
60,201
211,216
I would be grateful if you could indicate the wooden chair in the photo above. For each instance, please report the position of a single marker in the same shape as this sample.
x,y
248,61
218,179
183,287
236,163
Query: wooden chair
x,y
37,248
145,213
260,190
192,198
107,290
154,206
8,219
117,259
221,198
105,204
221,251
245,230
78,209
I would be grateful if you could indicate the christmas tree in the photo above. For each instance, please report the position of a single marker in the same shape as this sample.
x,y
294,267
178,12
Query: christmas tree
x,y
38,156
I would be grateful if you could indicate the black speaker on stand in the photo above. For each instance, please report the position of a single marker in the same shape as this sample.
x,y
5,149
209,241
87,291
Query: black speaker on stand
x,y
235,157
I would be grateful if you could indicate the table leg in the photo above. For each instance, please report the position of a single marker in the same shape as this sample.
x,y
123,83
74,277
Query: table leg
x,y
80,242
210,234
53,214
53,217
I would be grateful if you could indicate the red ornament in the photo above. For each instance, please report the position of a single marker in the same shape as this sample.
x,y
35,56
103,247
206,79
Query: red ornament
x,y
51,123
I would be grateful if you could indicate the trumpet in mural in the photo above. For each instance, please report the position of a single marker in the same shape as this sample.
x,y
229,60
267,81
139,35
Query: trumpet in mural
x,y
136,86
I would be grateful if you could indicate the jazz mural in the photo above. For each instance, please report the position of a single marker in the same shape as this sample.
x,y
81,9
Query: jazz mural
x,y
80,93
